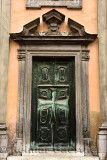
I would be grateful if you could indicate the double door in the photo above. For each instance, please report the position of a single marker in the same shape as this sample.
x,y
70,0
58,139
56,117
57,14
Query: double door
x,y
53,104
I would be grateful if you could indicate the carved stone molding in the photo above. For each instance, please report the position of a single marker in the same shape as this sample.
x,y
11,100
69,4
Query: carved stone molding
x,y
21,57
79,30
63,3
53,18
85,56
21,51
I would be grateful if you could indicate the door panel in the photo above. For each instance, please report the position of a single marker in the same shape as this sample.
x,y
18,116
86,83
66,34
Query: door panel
x,y
61,73
45,73
53,104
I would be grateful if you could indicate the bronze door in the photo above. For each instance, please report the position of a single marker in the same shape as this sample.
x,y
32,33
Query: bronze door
x,y
53,104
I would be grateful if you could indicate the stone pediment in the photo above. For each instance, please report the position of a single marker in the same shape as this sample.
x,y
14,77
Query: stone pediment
x,y
28,29
76,28
53,19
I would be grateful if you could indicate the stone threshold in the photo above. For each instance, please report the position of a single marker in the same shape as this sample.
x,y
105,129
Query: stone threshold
x,y
53,153
62,156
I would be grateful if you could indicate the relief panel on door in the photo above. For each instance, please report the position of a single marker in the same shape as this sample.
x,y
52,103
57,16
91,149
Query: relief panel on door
x,y
45,73
61,73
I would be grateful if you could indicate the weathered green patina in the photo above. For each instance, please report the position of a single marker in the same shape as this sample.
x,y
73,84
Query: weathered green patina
x,y
53,125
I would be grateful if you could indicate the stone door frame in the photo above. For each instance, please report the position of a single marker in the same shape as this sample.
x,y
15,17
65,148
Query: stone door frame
x,y
25,89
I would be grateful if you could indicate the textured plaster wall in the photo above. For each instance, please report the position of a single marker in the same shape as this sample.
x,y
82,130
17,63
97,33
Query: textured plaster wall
x,y
4,55
94,97
102,29
87,17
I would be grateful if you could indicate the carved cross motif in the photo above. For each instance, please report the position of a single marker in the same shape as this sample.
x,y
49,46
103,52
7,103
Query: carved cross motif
x,y
53,102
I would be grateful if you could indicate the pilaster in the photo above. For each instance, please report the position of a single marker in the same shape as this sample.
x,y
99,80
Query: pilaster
x,y
19,130
4,57
102,31
85,103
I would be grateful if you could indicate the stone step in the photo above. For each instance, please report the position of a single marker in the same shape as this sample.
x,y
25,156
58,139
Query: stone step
x,y
48,157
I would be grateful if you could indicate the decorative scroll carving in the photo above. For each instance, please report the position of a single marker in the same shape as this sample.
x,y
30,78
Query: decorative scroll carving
x,y
67,3
85,56
21,57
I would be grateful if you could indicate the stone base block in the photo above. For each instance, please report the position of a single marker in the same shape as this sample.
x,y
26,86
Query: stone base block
x,y
3,156
102,142
47,157
17,151
87,146
3,142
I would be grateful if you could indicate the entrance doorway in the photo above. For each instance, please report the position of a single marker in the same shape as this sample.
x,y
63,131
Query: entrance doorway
x,y
53,119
